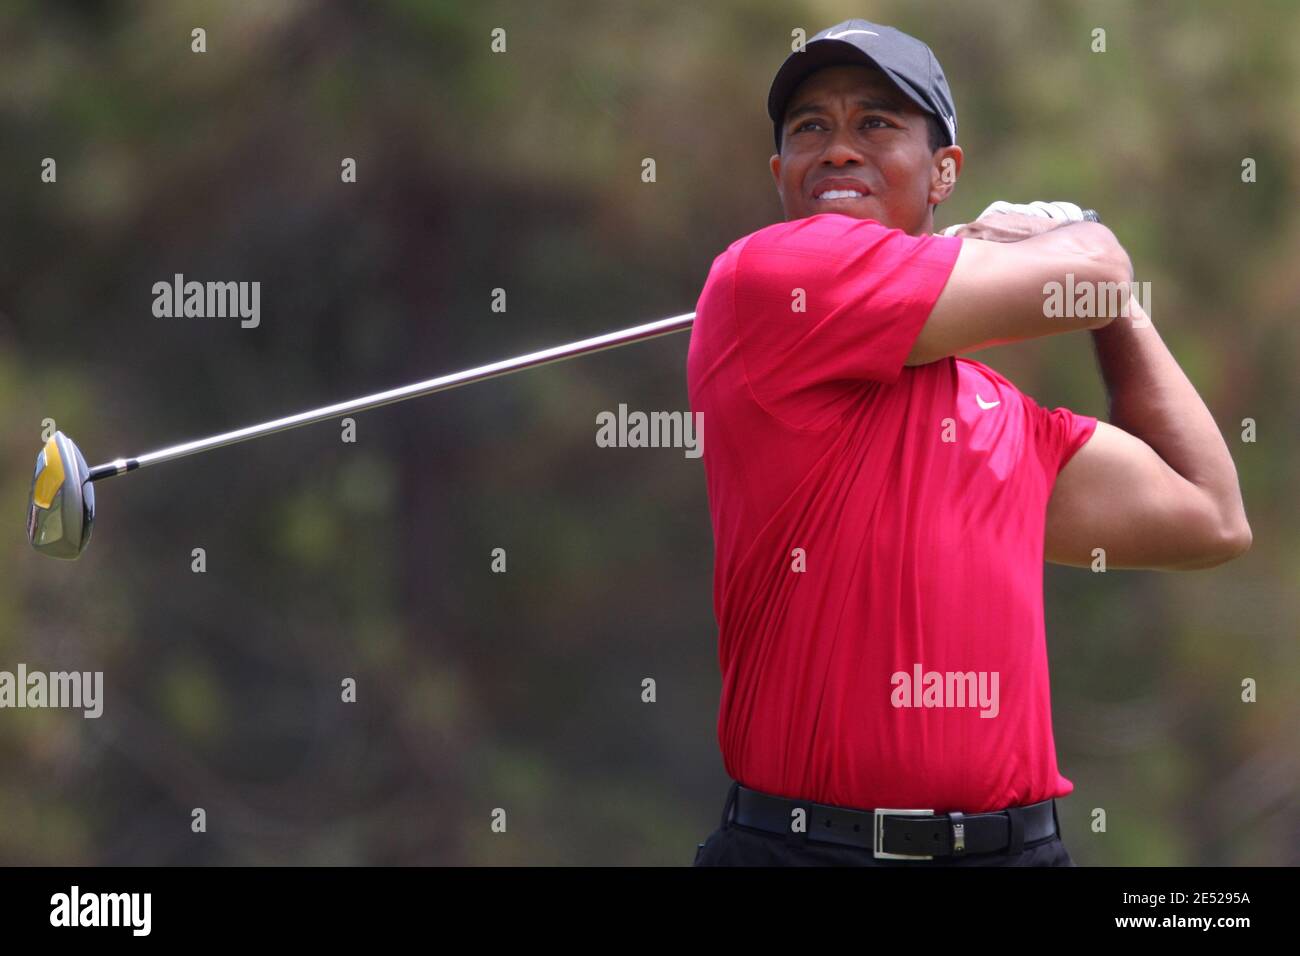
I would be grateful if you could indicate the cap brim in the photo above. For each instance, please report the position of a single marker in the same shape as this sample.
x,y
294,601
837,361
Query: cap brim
x,y
816,56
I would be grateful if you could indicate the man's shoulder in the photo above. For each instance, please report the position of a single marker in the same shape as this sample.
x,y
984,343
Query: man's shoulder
x,y
726,259
809,233
812,228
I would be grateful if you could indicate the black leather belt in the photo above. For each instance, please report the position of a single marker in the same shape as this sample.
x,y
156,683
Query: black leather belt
x,y
893,834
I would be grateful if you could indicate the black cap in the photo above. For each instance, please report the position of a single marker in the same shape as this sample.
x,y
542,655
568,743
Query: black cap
x,y
904,59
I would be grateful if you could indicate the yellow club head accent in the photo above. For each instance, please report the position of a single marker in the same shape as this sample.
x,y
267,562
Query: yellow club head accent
x,y
50,478
61,509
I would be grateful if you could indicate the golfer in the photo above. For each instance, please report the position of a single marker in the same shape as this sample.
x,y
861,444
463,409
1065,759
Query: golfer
x,y
882,507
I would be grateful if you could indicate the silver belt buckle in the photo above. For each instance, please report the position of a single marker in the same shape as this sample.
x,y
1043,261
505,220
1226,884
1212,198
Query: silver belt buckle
x,y
878,838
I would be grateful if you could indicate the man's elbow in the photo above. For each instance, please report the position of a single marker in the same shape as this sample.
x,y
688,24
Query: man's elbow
x,y
1231,542
1237,540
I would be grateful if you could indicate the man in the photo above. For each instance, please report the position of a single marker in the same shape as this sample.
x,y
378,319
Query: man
x,y
882,508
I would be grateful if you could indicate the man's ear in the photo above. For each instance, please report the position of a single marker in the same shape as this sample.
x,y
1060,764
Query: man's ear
x,y
775,165
944,173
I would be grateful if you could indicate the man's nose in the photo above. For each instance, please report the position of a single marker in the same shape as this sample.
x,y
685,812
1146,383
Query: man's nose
x,y
841,150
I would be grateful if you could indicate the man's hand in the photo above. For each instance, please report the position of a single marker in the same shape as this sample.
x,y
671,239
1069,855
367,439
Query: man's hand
x,y
1010,222
1003,227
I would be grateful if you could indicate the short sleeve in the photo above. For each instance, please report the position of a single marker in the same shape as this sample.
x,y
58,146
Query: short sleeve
x,y
1058,434
826,303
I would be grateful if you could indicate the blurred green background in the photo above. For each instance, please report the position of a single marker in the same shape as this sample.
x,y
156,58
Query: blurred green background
x,y
372,560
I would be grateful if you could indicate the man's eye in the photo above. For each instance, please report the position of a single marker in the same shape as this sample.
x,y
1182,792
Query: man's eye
x,y
870,119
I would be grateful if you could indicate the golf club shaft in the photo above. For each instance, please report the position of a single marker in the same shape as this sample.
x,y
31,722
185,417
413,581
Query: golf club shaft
x,y
639,333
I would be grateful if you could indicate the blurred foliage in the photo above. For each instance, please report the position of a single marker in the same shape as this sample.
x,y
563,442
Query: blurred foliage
x,y
522,171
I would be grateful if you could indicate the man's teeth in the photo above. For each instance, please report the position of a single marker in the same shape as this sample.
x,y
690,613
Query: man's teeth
x,y
840,194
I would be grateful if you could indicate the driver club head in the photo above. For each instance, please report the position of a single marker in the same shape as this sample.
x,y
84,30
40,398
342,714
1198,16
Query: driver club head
x,y
61,509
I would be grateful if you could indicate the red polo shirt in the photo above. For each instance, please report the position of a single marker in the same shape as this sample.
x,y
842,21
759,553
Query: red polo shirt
x,y
878,530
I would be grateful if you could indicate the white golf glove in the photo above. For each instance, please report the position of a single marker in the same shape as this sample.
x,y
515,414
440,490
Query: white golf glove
x,y
1058,210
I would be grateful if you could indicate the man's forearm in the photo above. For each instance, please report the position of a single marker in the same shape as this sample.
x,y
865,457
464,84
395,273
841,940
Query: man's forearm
x,y
1150,397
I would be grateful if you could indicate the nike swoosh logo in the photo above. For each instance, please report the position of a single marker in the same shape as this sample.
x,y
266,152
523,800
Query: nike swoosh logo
x,y
986,405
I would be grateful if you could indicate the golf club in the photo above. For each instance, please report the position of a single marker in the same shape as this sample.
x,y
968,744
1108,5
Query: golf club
x,y
61,507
